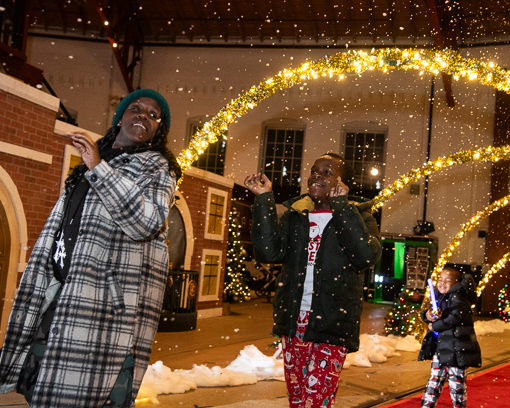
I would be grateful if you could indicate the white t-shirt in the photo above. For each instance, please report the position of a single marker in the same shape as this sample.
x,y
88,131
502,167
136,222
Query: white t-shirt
x,y
318,221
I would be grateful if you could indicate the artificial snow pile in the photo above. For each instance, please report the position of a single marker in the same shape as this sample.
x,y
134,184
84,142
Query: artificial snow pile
x,y
490,326
252,360
252,365
249,367
376,349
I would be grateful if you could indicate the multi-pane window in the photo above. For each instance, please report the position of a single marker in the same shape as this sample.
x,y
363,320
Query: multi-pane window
x,y
215,213
213,158
210,274
364,150
281,160
217,203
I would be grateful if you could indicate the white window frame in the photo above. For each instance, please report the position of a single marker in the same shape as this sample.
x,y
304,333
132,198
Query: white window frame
x,y
210,192
69,152
213,252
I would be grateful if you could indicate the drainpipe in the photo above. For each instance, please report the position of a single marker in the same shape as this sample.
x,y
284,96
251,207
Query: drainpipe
x,y
429,140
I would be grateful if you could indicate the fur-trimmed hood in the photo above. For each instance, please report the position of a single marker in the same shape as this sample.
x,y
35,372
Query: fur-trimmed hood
x,y
305,203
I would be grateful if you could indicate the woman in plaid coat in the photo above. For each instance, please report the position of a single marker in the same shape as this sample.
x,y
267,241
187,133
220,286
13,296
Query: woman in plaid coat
x,y
87,310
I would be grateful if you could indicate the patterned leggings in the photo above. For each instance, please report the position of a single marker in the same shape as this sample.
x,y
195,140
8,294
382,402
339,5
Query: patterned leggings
x,y
456,382
312,370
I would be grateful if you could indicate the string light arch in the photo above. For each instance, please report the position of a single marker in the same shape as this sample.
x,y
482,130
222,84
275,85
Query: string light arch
x,y
492,271
490,153
485,154
473,222
350,62
455,242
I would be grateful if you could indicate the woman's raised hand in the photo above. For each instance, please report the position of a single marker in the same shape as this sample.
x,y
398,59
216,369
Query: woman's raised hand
x,y
88,149
258,183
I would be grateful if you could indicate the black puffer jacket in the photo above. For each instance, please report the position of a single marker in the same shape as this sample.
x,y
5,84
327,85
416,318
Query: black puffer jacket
x,y
456,341
350,244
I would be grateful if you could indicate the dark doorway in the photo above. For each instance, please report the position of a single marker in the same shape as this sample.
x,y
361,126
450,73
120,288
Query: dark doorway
x,y
176,240
5,250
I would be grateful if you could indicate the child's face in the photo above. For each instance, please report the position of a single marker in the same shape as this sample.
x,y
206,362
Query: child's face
x,y
322,178
446,280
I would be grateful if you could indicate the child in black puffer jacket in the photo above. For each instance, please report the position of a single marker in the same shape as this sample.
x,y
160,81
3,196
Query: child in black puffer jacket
x,y
457,347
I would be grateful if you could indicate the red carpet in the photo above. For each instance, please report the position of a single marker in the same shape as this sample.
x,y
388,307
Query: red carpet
x,y
486,389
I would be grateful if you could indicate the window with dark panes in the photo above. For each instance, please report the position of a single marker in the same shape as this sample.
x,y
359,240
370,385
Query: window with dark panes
x,y
365,152
213,158
281,162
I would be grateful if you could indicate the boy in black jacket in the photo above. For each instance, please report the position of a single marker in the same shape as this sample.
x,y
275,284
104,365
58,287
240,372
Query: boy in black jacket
x,y
457,347
325,240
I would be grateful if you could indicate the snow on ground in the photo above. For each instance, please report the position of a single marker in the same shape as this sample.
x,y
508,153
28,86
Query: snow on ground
x,y
376,349
490,326
249,367
252,365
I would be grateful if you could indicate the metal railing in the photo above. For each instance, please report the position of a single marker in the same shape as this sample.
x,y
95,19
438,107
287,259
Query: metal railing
x,y
181,292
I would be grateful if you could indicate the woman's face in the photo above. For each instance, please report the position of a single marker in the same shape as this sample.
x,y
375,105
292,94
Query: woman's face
x,y
139,122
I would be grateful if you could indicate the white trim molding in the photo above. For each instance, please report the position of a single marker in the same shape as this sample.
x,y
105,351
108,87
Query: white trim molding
x,y
63,128
221,193
29,93
183,208
20,151
215,296
208,176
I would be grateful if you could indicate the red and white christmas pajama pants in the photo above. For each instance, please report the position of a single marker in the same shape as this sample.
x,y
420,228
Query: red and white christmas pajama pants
x,y
312,370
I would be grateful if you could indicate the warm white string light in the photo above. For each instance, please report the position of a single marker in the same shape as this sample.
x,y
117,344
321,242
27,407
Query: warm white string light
x,y
353,62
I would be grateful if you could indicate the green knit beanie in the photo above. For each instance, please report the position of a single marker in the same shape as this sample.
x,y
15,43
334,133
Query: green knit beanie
x,y
142,93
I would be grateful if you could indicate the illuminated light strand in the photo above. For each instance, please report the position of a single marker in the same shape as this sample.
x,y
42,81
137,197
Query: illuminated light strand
x,y
350,62
473,222
403,319
484,154
139,400
455,242
234,284
504,304
491,272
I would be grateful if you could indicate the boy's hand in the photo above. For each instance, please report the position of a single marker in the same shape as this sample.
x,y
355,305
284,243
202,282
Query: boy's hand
x,y
258,183
339,189
430,327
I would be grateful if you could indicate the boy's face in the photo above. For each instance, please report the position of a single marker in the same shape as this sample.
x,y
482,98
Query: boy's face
x,y
446,280
322,178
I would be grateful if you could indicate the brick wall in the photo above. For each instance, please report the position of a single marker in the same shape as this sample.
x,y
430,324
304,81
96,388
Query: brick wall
x,y
194,191
29,125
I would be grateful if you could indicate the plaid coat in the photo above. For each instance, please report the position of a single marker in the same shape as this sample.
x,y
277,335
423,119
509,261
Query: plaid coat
x,y
111,301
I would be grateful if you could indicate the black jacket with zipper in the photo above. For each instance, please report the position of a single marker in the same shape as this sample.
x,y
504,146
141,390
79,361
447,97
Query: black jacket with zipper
x,y
350,243
457,345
